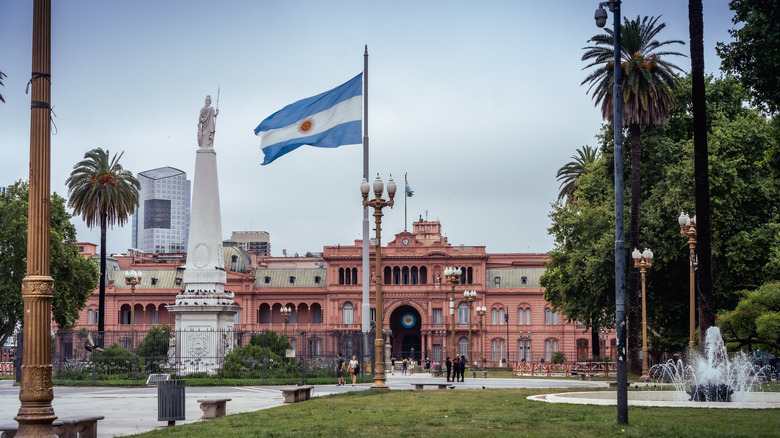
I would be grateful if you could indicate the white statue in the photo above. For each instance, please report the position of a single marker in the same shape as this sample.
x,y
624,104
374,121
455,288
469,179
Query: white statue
x,y
206,124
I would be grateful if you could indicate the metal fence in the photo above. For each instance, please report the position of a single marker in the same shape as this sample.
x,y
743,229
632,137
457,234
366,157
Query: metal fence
x,y
85,357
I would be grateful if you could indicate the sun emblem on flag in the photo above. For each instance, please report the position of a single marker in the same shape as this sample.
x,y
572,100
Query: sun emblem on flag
x,y
306,126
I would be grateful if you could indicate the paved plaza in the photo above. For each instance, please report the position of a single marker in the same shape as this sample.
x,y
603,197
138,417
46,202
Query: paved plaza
x,y
134,410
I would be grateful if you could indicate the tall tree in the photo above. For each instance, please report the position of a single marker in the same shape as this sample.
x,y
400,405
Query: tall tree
x,y
573,170
706,297
648,89
103,194
75,277
753,55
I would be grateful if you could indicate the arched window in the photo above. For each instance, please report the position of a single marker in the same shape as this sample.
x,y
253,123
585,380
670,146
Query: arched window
x,y
396,275
293,314
463,313
547,316
555,317
550,347
264,314
405,275
501,316
463,275
415,275
423,275
388,275
494,316
316,313
463,347
354,276
520,316
524,350
341,275
497,349
347,313
528,315
90,316
470,276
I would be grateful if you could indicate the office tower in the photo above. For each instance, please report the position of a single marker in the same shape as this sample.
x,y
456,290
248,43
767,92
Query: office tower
x,y
162,222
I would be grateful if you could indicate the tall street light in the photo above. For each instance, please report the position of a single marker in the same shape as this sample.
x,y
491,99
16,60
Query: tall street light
x,y
481,310
688,229
286,312
643,261
470,296
452,276
132,279
620,244
378,203
36,414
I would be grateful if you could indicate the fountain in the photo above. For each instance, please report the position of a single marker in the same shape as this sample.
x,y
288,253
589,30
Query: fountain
x,y
710,380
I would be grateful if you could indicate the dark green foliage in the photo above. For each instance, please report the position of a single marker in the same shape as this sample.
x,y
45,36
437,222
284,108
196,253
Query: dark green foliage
x,y
755,322
558,357
753,55
154,348
74,276
277,344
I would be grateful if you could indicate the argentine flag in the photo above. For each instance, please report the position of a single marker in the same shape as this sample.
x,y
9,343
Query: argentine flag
x,y
327,120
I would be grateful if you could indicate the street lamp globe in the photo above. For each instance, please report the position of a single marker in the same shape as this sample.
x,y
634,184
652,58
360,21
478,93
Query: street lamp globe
x,y
391,187
636,254
648,254
379,186
365,187
683,219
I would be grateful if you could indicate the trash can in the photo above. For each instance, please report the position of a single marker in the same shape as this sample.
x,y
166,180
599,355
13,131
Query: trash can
x,y
170,401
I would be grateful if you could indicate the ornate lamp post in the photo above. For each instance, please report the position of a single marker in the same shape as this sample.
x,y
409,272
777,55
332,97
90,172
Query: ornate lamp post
x,y
378,204
132,279
481,312
452,276
688,229
470,296
36,414
620,244
286,312
643,261
442,334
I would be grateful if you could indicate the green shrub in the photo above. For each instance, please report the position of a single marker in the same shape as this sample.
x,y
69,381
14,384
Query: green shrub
x,y
558,357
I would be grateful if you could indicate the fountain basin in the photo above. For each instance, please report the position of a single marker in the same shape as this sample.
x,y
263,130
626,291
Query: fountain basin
x,y
750,400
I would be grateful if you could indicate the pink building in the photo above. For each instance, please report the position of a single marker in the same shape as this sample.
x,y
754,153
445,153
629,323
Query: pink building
x,y
325,295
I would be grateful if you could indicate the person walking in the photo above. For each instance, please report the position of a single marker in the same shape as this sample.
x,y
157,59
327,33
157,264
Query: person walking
x,y
428,365
404,366
392,365
448,364
354,368
463,363
340,370
456,369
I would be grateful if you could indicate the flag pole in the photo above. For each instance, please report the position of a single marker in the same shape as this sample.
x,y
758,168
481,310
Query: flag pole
x,y
366,308
406,195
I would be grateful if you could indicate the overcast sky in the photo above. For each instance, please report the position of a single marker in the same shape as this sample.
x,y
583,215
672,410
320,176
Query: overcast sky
x,y
479,102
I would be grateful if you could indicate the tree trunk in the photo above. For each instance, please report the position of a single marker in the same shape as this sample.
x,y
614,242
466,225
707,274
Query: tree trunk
x,y
594,340
102,296
701,173
634,364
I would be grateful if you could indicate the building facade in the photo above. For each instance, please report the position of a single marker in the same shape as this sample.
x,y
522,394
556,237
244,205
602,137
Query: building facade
x,y
162,221
258,242
325,295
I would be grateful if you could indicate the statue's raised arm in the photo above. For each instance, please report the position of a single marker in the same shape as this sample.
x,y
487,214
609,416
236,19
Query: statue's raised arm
x,y
206,124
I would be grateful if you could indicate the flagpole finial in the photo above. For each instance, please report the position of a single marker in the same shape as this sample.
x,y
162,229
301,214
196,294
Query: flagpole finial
x,y
366,49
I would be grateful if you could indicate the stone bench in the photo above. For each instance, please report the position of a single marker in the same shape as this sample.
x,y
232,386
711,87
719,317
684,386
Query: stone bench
x,y
213,407
64,427
154,379
297,394
614,384
421,386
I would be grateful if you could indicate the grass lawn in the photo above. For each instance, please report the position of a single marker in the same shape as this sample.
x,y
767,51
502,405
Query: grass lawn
x,y
474,413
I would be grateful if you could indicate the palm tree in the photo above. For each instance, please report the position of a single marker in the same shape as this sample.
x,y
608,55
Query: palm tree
x,y
573,170
103,194
701,170
2,75
647,83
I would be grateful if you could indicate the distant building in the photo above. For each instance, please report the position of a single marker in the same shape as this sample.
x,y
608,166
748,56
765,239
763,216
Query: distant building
x,y
162,222
325,295
258,242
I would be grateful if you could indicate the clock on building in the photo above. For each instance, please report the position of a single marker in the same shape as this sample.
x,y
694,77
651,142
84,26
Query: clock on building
x,y
405,241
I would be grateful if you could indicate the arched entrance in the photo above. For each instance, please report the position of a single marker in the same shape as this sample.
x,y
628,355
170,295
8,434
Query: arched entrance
x,y
405,322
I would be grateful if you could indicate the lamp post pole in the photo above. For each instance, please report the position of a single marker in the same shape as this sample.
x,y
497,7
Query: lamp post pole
x,y
286,312
378,204
470,296
132,279
643,261
620,243
452,276
481,312
442,334
688,229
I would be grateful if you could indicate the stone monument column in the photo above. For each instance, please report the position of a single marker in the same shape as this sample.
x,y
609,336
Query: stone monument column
x,y
204,310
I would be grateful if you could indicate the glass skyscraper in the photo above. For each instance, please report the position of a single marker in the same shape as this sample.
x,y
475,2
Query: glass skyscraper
x,y
161,223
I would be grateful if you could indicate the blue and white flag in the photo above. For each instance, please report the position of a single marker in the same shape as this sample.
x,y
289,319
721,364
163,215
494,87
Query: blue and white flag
x,y
409,192
327,120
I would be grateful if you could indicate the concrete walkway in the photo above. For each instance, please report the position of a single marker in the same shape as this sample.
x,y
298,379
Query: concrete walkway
x,y
134,410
